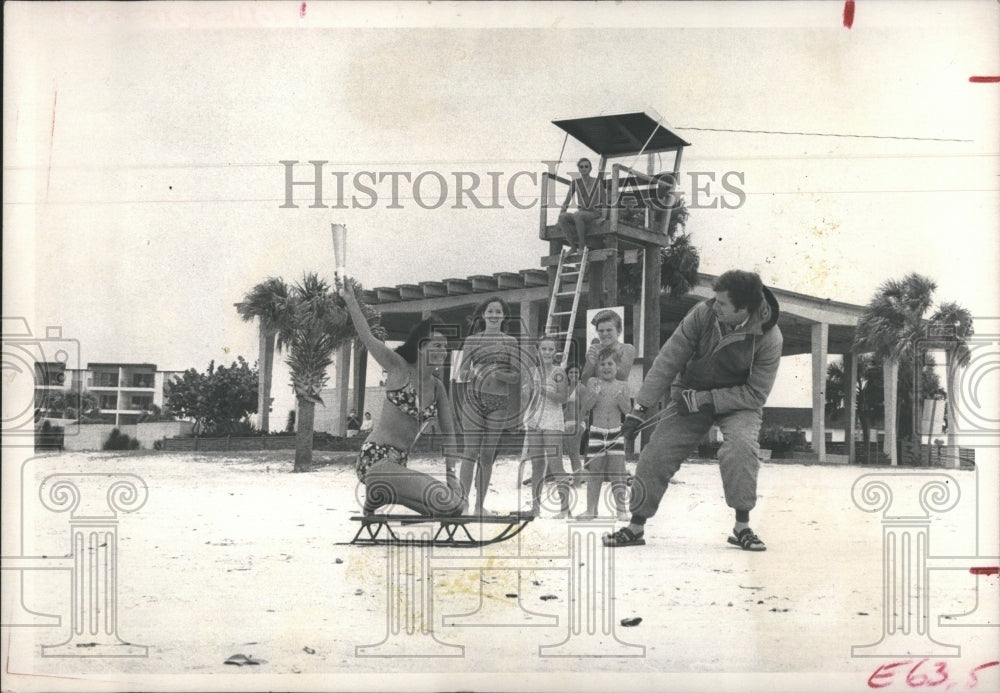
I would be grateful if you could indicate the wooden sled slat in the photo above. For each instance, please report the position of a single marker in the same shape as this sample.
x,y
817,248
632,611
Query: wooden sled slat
x,y
377,530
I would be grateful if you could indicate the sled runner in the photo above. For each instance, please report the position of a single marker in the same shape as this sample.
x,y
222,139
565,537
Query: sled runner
x,y
381,530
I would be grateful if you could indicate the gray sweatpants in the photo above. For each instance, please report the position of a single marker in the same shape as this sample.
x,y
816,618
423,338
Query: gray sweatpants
x,y
673,440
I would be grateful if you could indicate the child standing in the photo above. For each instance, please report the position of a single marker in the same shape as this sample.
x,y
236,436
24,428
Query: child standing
x,y
546,427
608,398
575,420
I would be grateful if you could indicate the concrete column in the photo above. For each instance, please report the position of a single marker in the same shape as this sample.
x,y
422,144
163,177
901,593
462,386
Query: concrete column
x,y
530,312
851,397
342,364
119,396
890,376
952,372
360,378
820,336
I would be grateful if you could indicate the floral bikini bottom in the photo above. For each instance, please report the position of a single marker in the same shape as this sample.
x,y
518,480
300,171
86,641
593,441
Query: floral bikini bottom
x,y
372,453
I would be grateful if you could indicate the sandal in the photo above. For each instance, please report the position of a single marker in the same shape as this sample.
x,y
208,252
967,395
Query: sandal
x,y
747,540
624,537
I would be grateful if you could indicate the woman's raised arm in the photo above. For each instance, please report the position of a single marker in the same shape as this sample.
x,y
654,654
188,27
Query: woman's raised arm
x,y
386,357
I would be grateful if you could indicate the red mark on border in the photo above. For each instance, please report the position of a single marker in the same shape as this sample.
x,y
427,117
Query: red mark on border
x,y
302,10
978,79
924,674
849,13
992,570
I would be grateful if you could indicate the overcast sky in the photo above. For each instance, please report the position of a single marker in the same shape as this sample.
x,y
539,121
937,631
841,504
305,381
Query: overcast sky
x,y
143,189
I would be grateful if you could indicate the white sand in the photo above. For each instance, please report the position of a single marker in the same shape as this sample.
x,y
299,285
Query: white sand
x,y
238,555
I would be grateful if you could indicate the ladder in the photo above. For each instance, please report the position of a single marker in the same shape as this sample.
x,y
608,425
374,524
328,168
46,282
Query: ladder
x,y
568,286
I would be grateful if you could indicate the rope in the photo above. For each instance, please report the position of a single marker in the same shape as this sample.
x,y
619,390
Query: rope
x,y
646,424
561,150
648,140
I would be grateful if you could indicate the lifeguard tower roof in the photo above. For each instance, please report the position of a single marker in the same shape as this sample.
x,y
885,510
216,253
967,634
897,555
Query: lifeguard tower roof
x,y
623,134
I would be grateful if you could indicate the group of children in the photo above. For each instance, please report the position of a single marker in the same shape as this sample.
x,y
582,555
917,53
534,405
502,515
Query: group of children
x,y
556,418
555,407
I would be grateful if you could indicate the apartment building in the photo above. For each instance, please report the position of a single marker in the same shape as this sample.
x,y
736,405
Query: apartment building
x,y
123,390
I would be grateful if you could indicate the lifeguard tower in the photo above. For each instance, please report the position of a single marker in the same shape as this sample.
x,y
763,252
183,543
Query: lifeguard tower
x,y
635,216
632,232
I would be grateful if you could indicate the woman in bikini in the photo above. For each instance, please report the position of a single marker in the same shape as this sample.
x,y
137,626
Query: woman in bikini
x,y
415,397
489,369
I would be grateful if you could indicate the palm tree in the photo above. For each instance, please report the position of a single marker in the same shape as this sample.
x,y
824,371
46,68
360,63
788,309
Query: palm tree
x,y
308,322
868,395
679,264
891,326
267,303
679,268
953,326
71,404
314,325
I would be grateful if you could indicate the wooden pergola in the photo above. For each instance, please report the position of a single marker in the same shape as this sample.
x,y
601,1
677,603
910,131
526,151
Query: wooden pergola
x,y
810,325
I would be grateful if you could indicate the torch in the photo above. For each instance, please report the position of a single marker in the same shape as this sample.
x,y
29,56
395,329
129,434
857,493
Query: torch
x,y
339,249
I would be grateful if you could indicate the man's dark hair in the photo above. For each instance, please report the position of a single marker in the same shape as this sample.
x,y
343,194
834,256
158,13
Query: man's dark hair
x,y
744,288
608,316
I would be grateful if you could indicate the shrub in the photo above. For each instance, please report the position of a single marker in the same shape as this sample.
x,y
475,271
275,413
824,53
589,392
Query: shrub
x,y
120,441
776,439
49,437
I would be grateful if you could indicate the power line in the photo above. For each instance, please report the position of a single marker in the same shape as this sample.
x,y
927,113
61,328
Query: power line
x,y
524,162
827,134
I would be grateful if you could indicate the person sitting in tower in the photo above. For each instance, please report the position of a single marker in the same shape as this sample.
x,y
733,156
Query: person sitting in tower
x,y
590,203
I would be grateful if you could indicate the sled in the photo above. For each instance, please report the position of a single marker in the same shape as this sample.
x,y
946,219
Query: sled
x,y
382,530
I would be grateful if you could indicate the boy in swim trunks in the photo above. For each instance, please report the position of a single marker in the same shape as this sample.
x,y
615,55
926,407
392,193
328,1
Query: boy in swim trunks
x,y
608,399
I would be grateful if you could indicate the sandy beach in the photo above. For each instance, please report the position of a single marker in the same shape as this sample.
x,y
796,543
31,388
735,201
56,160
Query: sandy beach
x,y
237,555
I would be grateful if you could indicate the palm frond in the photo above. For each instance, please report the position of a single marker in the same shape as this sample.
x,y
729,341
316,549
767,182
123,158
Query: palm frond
x,y
954,325
893,321
679,267
267,301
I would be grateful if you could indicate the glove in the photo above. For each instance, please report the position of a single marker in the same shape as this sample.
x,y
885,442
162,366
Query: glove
x,y
633,421
693,401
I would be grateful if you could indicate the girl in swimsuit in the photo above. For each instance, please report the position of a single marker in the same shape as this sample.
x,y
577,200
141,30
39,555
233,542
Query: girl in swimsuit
x,y
489,368
415,396
546,427
575,422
